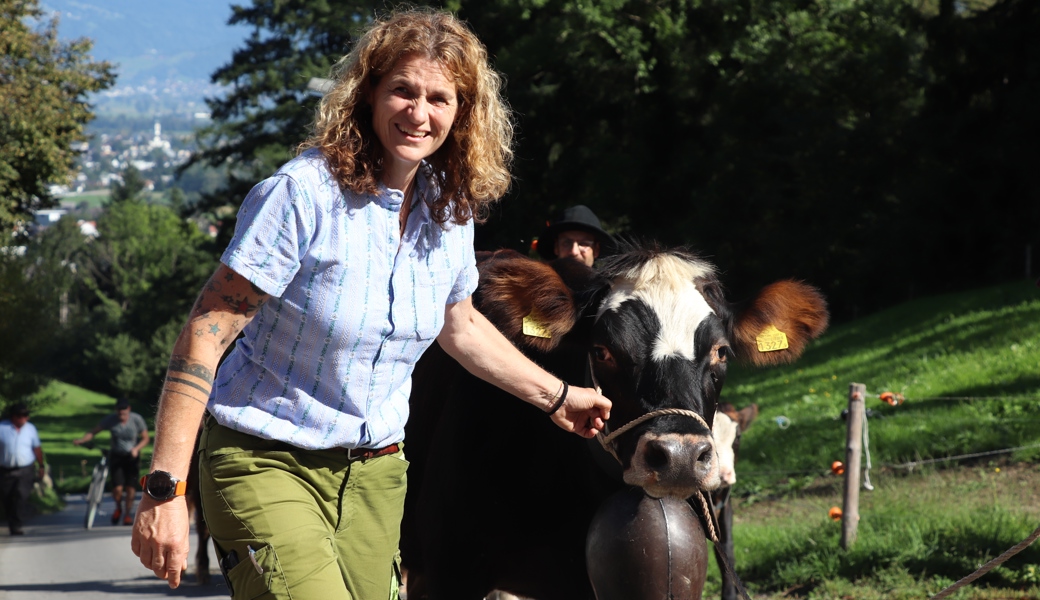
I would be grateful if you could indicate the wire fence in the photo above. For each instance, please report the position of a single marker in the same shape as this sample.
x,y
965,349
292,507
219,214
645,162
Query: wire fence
x,y
895,399
858,442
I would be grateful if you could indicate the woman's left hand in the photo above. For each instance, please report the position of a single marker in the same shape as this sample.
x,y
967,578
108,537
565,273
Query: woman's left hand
x,y
584,412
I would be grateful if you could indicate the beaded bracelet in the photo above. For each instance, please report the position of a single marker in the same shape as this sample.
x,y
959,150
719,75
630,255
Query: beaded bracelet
x,y
557,403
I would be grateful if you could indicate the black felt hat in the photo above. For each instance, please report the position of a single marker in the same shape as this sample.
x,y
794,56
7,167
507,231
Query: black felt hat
x,y
578,217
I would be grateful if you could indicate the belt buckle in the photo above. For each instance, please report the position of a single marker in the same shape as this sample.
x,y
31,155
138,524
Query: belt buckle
x,y
355,454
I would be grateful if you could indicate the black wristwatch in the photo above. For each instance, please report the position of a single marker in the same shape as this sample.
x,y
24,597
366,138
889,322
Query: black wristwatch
x,y
161,486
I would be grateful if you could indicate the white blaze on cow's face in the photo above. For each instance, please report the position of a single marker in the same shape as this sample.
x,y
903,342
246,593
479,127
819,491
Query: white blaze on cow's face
x,y
666,285
725,430
647,352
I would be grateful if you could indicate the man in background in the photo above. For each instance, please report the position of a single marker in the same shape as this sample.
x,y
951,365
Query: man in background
x,y
576,233
129,437
19,449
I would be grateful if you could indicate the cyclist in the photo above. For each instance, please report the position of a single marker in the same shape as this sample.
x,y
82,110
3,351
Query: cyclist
x,y
129,437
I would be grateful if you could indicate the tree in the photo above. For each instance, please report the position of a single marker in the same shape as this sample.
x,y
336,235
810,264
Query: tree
x,y
268,110
43,108
35,281
138,281
815,139
976,153
23,323
130,188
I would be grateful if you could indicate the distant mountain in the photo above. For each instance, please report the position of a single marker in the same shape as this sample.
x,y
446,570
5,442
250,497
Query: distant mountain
x,y
158,41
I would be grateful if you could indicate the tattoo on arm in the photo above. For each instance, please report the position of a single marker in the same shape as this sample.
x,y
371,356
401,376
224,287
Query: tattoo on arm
x,y
167,390
240,305
187,383
182,364
231,295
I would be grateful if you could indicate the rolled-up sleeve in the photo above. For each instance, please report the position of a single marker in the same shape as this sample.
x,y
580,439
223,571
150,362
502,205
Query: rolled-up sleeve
x,y
466,282
274,229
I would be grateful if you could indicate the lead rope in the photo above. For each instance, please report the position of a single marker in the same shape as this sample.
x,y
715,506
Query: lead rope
x,y
866,447
986,568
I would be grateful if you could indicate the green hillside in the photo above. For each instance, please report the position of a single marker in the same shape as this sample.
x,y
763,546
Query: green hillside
x,y
968,366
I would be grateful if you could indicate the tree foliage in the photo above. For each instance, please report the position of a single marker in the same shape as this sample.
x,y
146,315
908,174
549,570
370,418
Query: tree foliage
x,y
819,139
268,109
36,281
44,85
131,187
24,326
139,278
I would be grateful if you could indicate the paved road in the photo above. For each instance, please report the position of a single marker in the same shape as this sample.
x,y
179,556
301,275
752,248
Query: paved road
x,y
58,558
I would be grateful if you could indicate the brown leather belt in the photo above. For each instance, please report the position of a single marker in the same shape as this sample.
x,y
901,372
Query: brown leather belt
x,y
367,453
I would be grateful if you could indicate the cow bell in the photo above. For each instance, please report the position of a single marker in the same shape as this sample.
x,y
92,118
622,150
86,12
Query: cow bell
x,y
643,548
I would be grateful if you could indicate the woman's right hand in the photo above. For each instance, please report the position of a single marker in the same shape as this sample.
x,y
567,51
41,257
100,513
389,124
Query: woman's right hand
x,y
161,537
584,412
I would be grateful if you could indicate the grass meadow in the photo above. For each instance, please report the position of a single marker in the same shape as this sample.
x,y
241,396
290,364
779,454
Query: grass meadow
x,y
968,366
68,412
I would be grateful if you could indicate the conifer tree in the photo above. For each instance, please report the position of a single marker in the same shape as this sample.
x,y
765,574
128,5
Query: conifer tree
x,y
44,85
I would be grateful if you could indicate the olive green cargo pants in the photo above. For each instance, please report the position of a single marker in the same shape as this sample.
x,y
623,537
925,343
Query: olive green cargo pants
x,y
319,526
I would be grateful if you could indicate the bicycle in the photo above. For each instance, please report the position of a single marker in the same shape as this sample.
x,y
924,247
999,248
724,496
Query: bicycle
x,y
96,492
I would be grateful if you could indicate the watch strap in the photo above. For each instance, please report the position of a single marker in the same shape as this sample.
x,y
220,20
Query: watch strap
x,y
180,488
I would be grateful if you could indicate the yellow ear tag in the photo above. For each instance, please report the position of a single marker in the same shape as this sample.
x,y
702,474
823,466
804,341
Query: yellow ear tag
x,y
771,339
535,329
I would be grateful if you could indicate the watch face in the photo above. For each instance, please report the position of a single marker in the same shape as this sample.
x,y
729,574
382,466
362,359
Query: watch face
x,y
160,485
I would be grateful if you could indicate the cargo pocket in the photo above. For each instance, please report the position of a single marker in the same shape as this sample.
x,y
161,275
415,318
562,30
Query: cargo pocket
x,y
248,583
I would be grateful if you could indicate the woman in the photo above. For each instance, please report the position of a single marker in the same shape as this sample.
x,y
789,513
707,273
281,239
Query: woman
x,y
345,266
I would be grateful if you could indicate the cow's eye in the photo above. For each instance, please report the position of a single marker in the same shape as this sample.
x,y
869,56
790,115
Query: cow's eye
x,y
601,354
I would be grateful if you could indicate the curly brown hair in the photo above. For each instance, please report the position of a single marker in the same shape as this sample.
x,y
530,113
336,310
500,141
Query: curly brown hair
x,y
472,166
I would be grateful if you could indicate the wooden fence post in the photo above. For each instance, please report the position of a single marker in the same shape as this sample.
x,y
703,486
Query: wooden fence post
x,y
853,451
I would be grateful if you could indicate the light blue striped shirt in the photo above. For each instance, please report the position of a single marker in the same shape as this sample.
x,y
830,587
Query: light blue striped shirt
x,y
327,360
16,445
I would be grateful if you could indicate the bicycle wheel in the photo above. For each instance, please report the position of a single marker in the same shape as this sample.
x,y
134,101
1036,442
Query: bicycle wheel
x,y
95,493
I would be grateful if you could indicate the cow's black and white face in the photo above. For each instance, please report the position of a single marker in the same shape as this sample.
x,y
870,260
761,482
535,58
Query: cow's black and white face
x,y
659,342
662,336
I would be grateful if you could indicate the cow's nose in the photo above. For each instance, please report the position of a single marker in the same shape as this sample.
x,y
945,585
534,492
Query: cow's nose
x,y
704,453
673,465
661,453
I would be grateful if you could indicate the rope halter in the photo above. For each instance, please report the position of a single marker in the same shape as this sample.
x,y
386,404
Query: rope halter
x,y
606,440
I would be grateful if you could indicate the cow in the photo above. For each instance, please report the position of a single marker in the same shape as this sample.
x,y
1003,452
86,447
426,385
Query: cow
x,y
727,429
501,498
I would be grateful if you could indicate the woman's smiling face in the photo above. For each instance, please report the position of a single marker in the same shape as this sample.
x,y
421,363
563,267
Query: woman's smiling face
x,y
413,109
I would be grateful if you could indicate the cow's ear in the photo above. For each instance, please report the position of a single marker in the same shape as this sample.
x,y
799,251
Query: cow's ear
x,y
747,416
526,300
775,327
